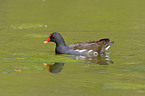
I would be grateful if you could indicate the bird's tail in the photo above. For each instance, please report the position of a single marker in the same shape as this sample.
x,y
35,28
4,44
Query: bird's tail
x,y
106,45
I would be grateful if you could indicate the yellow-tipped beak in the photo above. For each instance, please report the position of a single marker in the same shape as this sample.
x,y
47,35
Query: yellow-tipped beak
x,y
45,64
45,41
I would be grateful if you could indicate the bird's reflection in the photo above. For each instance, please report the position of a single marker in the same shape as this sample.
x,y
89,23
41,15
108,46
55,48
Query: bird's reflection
x,y
55,68
102,59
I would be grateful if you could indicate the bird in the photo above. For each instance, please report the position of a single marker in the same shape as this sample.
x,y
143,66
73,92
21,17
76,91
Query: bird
x,y
94,47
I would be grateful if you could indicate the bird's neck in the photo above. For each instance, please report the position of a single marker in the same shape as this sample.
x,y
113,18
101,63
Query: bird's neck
x,y
60,42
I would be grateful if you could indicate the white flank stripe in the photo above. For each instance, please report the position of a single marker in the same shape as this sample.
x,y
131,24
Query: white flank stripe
x,y
81,50
90,51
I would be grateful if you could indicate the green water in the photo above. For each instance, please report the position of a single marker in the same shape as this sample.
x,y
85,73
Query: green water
x,y
25,60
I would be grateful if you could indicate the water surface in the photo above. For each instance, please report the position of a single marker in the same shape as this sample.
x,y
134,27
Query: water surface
x,y
30,68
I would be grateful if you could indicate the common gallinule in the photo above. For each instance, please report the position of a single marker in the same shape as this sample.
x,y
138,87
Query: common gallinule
x,y
94,47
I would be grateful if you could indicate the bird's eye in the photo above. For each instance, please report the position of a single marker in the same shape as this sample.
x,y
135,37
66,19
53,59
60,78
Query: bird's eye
x,y
52,36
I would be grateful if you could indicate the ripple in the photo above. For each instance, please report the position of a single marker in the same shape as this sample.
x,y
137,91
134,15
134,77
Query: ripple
x,y
123,86
36,35
24,26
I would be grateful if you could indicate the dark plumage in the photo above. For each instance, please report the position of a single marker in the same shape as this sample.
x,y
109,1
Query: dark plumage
x,y
94,47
